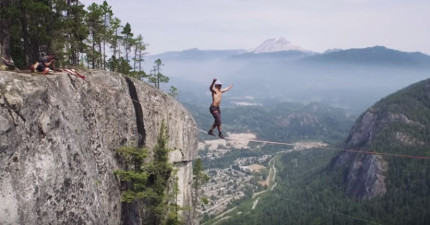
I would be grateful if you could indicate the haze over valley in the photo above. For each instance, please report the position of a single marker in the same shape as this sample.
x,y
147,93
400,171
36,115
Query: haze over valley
x,y
278,71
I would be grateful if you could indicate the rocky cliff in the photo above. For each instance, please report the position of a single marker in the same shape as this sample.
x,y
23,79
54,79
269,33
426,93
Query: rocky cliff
x,y
400,124
58,135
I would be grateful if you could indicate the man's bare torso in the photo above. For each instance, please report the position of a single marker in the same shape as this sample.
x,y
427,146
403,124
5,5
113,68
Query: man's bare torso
x,y
216,97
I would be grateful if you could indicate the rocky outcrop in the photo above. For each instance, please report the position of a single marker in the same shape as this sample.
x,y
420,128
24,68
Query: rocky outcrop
x,y
394,122
367,173
304,119
372,122
58,139
366,178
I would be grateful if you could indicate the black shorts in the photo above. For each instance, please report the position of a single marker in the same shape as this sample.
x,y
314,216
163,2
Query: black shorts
x,y
216,113
41,67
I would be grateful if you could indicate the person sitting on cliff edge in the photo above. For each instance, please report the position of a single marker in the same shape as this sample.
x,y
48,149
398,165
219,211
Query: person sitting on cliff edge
x,y
214,108
45,64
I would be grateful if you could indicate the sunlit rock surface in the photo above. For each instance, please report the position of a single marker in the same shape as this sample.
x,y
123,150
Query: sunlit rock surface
x,y
58,135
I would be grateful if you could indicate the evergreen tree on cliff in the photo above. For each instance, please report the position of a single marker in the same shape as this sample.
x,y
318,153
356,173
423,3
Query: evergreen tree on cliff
x,y
156,77
33,28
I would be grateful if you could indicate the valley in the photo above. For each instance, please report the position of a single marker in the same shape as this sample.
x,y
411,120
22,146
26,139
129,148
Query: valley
x,y
246,177
313,182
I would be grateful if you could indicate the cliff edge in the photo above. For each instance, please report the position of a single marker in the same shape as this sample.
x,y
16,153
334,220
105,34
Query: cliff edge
x,y
58,135
398,124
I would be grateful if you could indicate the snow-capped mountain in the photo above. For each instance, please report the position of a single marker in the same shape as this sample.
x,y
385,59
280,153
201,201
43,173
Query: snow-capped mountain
x,y
277,45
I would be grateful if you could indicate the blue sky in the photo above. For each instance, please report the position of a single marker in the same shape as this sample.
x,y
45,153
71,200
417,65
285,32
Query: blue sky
x,y
317,25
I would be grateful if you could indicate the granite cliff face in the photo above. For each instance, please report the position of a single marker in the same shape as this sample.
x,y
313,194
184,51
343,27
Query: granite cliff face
x,y
396,123
58,139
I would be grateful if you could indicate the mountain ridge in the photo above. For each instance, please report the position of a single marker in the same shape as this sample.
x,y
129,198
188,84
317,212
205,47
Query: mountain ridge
x,y
397,124
346,81
376,55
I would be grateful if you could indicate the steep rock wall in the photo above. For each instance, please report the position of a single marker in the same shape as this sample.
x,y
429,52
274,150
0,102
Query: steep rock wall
x,y
397,122
367,173
58,135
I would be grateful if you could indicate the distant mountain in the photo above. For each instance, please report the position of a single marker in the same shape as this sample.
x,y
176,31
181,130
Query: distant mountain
x,y
270,49
280,49
377,55
279,55
398,124
196,54
277,45
352,79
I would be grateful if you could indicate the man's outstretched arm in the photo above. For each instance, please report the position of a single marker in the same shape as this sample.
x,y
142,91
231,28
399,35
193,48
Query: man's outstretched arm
x,y
228,88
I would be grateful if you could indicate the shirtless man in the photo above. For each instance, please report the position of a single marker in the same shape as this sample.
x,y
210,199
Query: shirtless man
x,y
214,108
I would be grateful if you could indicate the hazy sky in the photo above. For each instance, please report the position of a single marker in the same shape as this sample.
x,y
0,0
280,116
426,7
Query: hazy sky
x,y
317,25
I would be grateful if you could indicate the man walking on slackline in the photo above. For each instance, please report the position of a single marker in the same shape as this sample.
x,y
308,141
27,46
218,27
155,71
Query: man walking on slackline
x,y
214,108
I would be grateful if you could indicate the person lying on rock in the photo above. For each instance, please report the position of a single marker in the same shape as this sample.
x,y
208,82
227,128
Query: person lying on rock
x,y
214,108
46,63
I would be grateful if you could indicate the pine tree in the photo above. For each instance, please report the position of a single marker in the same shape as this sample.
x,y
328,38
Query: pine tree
x,y
156,77
69,32
160,173
94,21
133,178
174,92
116,38
10,31
139,48
153,184
108,33
127,39
123,66
35,21
30,29
5,25
199,179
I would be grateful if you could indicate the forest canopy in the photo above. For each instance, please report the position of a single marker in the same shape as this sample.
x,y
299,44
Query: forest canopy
x,y
78,36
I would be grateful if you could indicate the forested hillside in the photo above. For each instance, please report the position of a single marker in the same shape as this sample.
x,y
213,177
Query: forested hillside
x,y
307,193
398,124
312,185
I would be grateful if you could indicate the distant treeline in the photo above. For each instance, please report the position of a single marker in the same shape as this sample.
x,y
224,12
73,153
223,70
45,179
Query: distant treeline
x,y
79,37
